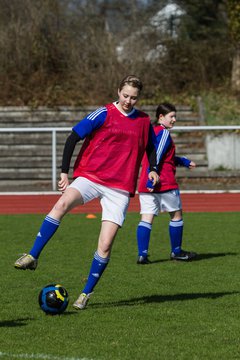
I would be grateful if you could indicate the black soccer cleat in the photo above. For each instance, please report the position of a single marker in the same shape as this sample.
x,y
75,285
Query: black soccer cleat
x,y
183,256
143,260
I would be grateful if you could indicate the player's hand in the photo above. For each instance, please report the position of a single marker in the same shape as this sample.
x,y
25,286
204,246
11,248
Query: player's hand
x,y
154,177
150,189
63,182
192,165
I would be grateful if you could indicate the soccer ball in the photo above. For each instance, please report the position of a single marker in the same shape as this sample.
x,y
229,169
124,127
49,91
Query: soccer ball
x,y
53,299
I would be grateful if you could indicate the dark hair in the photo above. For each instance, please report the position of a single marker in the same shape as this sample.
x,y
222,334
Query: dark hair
x,y
164,109
131,80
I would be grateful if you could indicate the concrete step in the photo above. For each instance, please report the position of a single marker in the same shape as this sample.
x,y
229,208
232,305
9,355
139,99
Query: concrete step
x,y
30,174
19,151
32,138
13,185
33,162
205,173
218,181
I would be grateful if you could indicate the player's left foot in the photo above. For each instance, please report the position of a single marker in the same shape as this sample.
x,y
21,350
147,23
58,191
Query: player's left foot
x,y
183,256
143,260
82,301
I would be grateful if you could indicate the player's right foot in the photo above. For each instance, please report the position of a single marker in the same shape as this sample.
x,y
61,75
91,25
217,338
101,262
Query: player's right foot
x,y
26,261
82,301
183,255
143,260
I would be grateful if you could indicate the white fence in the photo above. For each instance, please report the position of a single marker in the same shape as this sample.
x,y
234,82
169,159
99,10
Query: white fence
x,y
55,130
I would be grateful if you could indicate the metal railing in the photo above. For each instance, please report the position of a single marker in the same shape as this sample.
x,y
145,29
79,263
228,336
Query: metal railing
x,y
51,130
54,130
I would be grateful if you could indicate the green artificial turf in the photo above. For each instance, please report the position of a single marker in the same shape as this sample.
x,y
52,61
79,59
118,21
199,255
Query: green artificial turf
x,y
164,310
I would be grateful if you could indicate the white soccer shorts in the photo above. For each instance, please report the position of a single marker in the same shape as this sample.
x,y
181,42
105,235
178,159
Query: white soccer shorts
x,y
114,202
153,203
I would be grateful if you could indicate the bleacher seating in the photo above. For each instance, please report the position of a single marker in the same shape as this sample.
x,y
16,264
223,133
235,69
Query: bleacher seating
x,y
26,158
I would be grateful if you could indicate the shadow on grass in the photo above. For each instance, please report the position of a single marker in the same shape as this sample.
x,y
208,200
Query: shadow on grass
x,y
25,321
166,298
158,261
69,313
15,322
214,255
199,257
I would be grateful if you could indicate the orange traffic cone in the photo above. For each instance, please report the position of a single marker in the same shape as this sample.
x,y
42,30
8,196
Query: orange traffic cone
x,y
91,216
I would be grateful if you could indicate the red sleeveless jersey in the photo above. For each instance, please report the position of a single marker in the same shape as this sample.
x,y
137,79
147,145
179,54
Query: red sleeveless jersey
x,y
112,154
167,169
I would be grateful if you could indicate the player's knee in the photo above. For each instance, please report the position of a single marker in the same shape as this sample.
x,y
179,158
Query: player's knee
x,y
61,206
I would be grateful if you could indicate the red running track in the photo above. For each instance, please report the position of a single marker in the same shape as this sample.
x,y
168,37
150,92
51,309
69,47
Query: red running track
x,y
192,202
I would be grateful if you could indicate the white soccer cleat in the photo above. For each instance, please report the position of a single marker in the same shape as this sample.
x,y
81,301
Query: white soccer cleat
x,y
82,301
26,261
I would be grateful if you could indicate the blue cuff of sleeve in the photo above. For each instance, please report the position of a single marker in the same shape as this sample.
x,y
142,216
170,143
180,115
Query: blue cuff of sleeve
x,y
150,184
186,162
182,161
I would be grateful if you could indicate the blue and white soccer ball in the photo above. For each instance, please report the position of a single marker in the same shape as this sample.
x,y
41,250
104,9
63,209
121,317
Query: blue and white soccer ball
x,y
53,299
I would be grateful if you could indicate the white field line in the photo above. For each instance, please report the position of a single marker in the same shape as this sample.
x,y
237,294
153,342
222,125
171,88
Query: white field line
x,y
38,356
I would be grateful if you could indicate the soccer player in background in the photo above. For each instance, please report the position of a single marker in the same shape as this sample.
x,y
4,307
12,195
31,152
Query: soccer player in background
x,y
107,166
165,196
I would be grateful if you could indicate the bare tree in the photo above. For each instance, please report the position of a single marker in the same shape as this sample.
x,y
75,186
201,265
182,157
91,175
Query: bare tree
x,y
233,7
57,52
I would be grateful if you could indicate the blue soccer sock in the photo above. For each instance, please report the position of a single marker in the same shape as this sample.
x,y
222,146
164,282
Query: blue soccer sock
x,y
143,237
48,228
98,266
176,233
